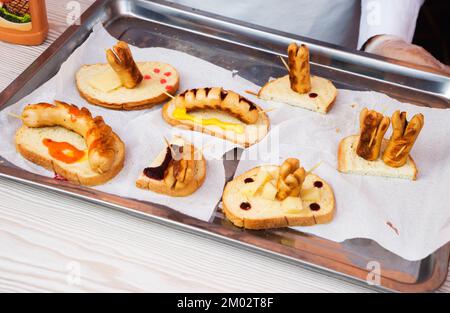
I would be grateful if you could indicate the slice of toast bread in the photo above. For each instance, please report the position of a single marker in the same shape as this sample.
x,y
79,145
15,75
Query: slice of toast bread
x,y
350,162
29,143
159,79
320,99
160,187
265,214
253,133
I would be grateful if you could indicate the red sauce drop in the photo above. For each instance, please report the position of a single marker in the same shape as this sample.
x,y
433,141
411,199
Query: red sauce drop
x,y
318,184
314,207
63,151
313,95
249,180
59,177
169,88
167,74
246,206
163,81
156,70
147,77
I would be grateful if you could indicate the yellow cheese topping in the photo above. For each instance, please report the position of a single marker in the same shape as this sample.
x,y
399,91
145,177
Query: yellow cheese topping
x,y
105,81
181,114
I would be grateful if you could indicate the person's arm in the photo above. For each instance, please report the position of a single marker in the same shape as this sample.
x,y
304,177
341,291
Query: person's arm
x,y
387,28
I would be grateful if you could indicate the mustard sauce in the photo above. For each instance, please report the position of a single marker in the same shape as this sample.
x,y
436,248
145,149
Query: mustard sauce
x,y
181,114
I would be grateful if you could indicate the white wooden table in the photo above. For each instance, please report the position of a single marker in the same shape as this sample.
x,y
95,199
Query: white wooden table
x,y
53,243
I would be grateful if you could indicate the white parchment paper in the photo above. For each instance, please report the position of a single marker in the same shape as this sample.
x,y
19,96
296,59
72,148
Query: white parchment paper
x,y
366,206
418,210
142,131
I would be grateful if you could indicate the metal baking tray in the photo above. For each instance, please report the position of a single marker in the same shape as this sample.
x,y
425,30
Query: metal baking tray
x,y
253,51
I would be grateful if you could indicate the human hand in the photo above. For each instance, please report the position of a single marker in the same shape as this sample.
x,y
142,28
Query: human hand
x,y
396,48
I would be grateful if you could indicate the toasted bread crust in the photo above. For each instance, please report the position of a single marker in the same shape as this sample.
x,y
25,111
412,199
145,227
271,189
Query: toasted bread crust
x,y
275,222
130,106
189,125
328,106
71,176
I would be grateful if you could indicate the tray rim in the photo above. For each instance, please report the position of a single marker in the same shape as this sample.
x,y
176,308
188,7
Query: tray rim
x,y
25,177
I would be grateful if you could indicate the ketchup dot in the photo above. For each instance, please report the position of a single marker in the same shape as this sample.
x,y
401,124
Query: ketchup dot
x,y
167,74
313,95
156,70
163,81
147,77
248,180
168,88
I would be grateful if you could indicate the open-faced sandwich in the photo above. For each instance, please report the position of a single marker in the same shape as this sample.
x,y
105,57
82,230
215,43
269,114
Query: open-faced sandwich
x,y
220,113
360,154
178,171
69,141
278,196
123,84
300,88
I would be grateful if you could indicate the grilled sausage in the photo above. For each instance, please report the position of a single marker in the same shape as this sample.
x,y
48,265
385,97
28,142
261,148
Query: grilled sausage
x,y
373,127
99,136
291,179
217,98
403,138
299,70
122,62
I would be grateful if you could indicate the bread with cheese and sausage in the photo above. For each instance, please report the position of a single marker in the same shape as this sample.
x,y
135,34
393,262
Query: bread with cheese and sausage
x,y
252,200
218,112
123,84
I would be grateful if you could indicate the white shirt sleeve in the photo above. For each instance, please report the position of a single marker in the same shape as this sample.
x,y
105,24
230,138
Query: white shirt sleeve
x,y
390,17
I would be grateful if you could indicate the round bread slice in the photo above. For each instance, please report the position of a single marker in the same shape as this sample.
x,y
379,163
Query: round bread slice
x,y
159,79
29,143
253,133
160,187
320,99
264,214
350,162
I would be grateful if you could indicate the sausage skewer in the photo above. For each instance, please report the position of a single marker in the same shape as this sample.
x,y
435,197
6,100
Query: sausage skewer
x,y
217,98
373,127
403,138
122,62
299,69
99,136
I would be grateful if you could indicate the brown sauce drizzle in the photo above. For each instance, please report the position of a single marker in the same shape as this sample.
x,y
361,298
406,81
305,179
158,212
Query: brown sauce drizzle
x,y
249,180
313,95
159,172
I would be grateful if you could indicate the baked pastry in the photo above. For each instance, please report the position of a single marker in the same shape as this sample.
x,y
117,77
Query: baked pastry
x,y
69,141
299,88
360,154
178,171
124,84
220,113
278,196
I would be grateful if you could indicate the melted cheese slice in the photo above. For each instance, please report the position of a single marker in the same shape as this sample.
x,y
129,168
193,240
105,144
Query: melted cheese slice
x,y
106,81
181,114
